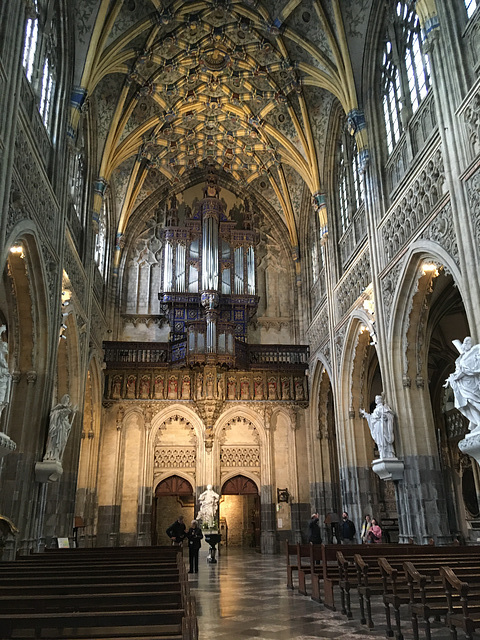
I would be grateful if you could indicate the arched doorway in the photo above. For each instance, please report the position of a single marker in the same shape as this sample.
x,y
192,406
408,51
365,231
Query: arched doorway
x,y
240,513
173,497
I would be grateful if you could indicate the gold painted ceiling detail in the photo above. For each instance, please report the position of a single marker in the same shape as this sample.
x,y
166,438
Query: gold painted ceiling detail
x,y
212,83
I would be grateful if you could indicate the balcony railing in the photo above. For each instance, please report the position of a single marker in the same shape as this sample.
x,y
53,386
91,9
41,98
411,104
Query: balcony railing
x,y
145,355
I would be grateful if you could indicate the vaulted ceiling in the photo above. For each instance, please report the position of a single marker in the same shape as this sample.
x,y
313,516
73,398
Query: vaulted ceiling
x,y
247,86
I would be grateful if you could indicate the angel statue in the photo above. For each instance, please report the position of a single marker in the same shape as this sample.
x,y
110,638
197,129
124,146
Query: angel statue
x,y
465,382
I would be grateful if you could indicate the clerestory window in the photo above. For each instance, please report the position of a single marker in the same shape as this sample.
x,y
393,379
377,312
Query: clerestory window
x,y
470,6
405,70
31,42
101,240
350,183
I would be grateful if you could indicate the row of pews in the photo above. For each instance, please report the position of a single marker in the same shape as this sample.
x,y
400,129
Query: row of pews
x,y
94,594
416,584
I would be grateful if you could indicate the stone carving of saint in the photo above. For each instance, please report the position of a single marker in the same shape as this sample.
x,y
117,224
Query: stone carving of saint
x,y
258,390
5,375
209,386
232,389
299,390
381,422
159,387
220,388
172,388
145,387
199,386
131,383
272,389
117,387
465,382
285,389
208,506
61,419
244,390
186,388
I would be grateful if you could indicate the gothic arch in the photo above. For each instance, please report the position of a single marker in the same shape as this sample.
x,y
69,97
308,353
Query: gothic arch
x,y
247,474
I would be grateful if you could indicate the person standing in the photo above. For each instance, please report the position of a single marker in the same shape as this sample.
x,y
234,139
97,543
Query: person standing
x,y
347,530
314,530
194,535
366,526
176,531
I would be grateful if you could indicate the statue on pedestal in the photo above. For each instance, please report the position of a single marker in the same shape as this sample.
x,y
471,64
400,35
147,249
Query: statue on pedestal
x,y
5,375
465,382
381,422
208,506
61,419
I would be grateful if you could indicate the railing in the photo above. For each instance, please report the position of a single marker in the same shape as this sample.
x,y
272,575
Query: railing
x,y
164,354
278,354
134,354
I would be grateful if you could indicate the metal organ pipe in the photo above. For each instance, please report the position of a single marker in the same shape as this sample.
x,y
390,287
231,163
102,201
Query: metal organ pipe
x,y
210,253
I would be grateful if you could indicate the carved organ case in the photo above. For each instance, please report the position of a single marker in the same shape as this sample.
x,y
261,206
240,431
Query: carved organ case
x,y
208,290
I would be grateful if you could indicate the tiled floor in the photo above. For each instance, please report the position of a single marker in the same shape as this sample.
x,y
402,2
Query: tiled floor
x,y
244,596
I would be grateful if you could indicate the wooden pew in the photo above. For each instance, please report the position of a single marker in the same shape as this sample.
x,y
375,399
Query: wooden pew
x,y
315,566
95,597
94,625
426,602
461,611
300,551
383,578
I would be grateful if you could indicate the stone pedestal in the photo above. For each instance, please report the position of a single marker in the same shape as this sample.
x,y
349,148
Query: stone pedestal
x,y
48,471
7,445
471,445
212,538
388,468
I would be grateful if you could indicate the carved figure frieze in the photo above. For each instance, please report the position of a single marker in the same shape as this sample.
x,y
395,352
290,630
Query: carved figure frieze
x,y
209,391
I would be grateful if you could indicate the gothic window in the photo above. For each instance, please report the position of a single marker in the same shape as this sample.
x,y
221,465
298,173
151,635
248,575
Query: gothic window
x,y
39,59
470,6
101,240
350,182
30,42
405,70
77,180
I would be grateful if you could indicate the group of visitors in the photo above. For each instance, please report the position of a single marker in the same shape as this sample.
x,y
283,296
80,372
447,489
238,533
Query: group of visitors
x,y
178,533
371,530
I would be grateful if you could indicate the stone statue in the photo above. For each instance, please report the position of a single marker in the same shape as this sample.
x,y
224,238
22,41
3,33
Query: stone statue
x,y
61,419
380,422
208,506
465,382
5,375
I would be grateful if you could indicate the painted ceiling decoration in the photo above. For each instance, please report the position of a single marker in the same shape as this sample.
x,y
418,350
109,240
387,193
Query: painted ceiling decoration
x,y
243,86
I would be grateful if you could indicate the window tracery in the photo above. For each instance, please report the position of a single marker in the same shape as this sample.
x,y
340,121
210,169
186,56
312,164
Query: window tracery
x,y
405,71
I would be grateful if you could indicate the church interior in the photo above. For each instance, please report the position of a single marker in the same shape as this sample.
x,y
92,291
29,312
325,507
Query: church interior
x,y
227,227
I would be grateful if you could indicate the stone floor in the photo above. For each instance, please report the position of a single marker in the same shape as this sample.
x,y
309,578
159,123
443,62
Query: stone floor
x,y
244,596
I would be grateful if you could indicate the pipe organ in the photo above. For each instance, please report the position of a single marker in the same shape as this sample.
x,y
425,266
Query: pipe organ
x,y
208,279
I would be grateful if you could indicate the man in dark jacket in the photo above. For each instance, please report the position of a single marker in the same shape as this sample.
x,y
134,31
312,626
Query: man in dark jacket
x,y
194,535
176,531
347,530
314,530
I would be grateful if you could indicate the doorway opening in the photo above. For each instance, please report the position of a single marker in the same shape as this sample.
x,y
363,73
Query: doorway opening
x,y
240,513
173,497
